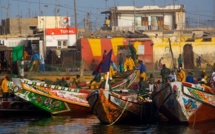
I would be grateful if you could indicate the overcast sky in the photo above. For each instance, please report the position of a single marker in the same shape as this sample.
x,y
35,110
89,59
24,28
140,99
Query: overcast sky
x,y
196,10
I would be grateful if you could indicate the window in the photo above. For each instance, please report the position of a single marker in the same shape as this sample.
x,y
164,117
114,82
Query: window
x,y
62,43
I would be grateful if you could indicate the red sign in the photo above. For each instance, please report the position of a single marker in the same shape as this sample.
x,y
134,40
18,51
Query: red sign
x,y
61,31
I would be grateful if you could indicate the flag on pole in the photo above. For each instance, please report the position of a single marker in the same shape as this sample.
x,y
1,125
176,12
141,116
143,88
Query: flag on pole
x,y
104,65
17,53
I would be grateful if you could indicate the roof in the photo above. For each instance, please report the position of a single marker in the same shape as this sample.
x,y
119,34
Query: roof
x,y
5,48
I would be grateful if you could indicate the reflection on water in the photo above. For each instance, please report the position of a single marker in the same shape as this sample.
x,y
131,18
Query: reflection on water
x,y
91,125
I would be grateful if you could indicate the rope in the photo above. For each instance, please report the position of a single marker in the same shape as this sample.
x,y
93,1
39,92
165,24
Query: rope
x,y
119,115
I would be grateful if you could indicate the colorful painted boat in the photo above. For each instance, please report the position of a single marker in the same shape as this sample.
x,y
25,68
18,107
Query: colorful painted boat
x,y
48,98
60,100
185,102
118,107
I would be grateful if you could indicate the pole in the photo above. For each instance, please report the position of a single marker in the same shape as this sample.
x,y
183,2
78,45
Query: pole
x,y
76,25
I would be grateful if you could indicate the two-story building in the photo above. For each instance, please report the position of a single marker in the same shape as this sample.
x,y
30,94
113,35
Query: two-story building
x,y
146,18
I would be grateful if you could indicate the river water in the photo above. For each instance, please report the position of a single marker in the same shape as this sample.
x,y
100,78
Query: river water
x,y
91,125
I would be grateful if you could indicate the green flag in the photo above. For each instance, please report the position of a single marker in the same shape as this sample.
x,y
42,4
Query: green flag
x,y
17,53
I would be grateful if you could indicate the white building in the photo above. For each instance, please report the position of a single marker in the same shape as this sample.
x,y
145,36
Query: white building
x,y
146,17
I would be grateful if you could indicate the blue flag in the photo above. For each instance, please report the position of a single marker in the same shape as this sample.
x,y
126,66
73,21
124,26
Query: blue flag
x,y
104,65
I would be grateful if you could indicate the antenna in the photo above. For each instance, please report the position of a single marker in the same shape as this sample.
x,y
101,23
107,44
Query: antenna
x,y
106,4
39,7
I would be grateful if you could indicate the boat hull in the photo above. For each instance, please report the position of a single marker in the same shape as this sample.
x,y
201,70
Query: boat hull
x,y
185,102
19,107
110,107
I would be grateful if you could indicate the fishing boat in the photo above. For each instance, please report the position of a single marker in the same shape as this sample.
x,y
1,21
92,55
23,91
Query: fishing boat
x,y
59,100
54,99
184,102
123,106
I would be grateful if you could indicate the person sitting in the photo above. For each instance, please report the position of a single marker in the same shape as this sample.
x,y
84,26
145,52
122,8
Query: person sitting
x,y
76,81
190,78
181,76
204,77
129,64
94,83
172,76
63,82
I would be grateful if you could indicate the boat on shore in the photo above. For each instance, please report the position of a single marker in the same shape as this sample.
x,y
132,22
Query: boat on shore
x,y
184,102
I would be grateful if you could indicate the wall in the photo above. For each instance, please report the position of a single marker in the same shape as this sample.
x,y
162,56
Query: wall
x,y
92,50
204,49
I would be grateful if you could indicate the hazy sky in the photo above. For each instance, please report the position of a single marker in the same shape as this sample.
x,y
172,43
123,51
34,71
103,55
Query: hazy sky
x,y
196,10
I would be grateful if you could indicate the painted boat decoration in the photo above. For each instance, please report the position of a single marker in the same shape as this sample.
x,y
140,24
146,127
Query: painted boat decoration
x,y
60,100
56,102
185,102
111,107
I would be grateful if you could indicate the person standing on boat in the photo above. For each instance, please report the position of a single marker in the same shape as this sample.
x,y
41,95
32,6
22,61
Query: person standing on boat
x,y
179,61
181,76
4,87
129,64
142,69
165,74
151,82
120,63
142,86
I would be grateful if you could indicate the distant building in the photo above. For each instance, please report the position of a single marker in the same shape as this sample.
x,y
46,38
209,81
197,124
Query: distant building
x,y
145,18
18,26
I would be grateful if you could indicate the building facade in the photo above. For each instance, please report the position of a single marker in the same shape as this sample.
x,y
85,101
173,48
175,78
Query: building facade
x,y
146,18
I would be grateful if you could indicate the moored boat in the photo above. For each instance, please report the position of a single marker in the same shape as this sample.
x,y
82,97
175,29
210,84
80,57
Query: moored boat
x,y
60,100
118,107
185,102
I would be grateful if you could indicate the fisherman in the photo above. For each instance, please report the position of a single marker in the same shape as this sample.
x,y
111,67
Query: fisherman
x,y
142,69
120,63
172,76
35,62
179,61
104,54
63,82
129,64
76,81
151,82
165,74
190,78
94,83
181,76
4,87
204,77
